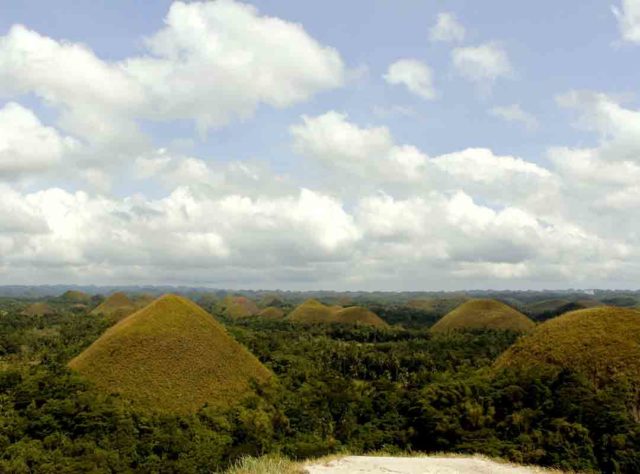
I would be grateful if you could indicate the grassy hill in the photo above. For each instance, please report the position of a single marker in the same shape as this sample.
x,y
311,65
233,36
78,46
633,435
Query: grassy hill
x,y
38,309
484,314
313,312
74,296
550,308
271,312
115,307
238,307
171,356
602,343
359,315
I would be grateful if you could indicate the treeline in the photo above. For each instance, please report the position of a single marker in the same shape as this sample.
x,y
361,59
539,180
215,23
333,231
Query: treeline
x,y
337,388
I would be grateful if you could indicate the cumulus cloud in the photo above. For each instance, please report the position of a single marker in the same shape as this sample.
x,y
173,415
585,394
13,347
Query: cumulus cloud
x,y
368,152
515,113
447,29
26,145
484,63
360,208
628,16
184,229
414,75
372,155
232,58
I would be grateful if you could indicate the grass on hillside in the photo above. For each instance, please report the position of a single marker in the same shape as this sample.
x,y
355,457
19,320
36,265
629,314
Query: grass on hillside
x,y
238,307
171,356
115,307
484,314
359,315
602,343
271,312
38,309
75,296
313,312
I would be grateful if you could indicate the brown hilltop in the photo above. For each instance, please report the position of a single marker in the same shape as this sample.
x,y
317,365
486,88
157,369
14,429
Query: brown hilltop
x,y
360,316
238,307
115,307
484,314
601,343
271,312
38,309
171,356
75,296
313,312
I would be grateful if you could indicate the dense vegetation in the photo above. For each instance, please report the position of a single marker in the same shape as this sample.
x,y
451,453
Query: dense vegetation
x,y
337,387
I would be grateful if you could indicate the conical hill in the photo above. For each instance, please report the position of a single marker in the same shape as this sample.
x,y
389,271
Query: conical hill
x,y
170,356
38,309
312,311
601,343
115,307
238,307
484,314
359,315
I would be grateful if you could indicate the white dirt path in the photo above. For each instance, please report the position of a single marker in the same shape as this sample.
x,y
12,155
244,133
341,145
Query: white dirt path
x,y
418,465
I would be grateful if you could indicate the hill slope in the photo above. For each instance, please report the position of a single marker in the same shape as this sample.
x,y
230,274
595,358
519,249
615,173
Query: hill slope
x,y
484,314
38,309
171,356
359,315
602,343
271,312
74,296
238,307
115,307
312,311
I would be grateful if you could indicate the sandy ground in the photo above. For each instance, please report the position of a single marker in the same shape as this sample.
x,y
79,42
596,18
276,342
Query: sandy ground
x,y
417,465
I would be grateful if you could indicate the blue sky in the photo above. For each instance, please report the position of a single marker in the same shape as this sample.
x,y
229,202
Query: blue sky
x,y
571,73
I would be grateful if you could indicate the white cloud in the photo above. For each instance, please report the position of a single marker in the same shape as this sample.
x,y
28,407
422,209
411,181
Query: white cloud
x,y
482,64
414,75
371,155
628,16
232,58
447,29
366,152
514,113
26,145
618,127
186,229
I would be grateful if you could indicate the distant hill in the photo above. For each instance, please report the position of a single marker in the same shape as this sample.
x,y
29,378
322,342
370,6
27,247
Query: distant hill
x,y
359,315
602,343
38,309
484,314
546,309
238,307
437,305
271,312
171,356
74,296
116,307
312,311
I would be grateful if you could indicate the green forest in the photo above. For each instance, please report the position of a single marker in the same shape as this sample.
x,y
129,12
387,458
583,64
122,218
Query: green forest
x,y
337,388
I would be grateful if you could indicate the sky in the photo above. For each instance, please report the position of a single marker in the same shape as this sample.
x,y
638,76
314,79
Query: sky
x,y
362,145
